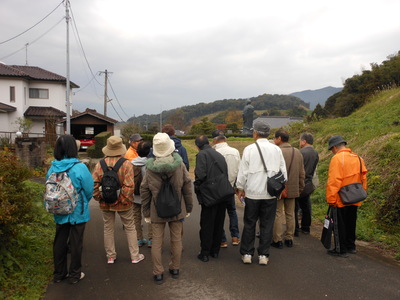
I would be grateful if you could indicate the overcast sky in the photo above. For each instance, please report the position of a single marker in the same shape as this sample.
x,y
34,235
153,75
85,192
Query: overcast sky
x,y
167,54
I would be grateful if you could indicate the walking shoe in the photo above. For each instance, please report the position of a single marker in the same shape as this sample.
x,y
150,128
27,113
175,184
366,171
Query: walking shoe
x,y
76,280
289,243
246,259
278,245
352,251
235,241
142,242
262,260
224,245
159,278
138,260
333,252
174,273
110,260
149,243
58,280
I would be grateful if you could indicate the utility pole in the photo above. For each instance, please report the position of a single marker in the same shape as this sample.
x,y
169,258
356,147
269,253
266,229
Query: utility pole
x,y
68,129
105,90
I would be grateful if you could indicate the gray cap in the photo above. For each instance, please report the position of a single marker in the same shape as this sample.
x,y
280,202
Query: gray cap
x,y
335,140
261,125
135,137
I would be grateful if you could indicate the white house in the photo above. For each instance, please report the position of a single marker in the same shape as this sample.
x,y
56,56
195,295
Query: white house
x,y
32,93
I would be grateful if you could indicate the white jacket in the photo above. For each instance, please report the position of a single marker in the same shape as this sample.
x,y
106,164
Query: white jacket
x,y
232,158
252,177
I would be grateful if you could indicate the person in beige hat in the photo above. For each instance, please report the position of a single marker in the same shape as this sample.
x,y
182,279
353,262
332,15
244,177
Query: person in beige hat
x,y
114,151
167,163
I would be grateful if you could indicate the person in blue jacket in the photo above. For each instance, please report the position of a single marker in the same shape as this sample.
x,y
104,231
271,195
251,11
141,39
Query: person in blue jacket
x,y
70,228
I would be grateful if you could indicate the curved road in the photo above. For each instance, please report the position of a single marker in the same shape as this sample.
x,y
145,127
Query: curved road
x,y
302,272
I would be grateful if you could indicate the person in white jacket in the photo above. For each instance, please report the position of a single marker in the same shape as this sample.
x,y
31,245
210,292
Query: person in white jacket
x,y
252,186
232,158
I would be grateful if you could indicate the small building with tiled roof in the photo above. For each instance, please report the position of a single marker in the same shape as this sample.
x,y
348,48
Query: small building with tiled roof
x,y
90,122
34,93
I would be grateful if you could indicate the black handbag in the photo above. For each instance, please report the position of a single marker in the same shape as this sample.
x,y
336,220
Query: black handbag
x,y
354,192
276,183
326,236
216,188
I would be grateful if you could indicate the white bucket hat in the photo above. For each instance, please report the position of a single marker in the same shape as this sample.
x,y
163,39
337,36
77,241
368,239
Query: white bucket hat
x,y
163,145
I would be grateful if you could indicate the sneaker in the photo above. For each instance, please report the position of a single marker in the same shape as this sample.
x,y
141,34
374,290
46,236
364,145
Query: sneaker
x,y
76,280
110,260
139,259
235,241
149,243
246,259
142,242
263,260
224,245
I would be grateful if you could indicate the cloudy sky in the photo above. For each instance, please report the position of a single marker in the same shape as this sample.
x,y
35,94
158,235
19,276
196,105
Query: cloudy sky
x,y
167,54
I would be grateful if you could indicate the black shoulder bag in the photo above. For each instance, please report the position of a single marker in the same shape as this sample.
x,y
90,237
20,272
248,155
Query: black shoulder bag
x,y
276,183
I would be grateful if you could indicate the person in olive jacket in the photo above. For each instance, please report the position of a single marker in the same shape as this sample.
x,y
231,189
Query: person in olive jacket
x,y
166,162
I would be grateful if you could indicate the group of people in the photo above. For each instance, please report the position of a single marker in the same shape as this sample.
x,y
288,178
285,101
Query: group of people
x,y
145,164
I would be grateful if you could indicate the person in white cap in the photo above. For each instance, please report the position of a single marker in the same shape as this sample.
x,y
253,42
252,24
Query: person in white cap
x,y
167,163
114,151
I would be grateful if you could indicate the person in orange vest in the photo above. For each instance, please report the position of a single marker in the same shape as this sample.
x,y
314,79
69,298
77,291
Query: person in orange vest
x,y
345,168
134,141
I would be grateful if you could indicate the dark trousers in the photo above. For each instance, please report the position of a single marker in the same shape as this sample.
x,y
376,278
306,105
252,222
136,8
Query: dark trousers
x,y
233,219
347,218
211,228
68,238
265,211
303,203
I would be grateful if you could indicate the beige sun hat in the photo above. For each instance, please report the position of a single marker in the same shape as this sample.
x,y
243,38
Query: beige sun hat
x,y
163,145
114,146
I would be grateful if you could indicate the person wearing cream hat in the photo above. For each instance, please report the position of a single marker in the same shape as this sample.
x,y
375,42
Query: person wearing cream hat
x,y
114,151
168,163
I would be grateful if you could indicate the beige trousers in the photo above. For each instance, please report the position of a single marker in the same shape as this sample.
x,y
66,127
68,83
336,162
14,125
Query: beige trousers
x,y
284,207
137,215
130,231
175,229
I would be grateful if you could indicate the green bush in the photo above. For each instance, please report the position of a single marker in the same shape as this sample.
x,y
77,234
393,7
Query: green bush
x,y
26,232
15,201
95,151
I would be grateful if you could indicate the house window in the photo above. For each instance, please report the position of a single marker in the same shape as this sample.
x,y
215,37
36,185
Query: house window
x,y
39,93
12,93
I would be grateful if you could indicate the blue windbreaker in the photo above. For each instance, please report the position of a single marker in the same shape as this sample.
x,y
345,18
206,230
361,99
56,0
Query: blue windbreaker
x,y
83,182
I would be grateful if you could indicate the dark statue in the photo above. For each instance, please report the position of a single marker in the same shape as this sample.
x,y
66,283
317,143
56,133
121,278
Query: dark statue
x,y
248,113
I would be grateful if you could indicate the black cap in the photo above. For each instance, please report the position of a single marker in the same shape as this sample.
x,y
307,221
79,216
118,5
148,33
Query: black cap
x,y
335,140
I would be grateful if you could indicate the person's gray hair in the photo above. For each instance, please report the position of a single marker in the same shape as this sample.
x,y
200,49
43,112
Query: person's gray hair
x,y
308,137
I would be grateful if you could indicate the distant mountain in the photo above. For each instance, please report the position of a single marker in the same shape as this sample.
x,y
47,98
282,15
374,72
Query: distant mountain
x,y
316,96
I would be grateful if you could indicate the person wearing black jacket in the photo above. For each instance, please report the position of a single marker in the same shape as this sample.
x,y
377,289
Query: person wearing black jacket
x,y
212,217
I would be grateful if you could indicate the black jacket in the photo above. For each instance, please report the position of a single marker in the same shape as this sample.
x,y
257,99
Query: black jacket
x,y
204,160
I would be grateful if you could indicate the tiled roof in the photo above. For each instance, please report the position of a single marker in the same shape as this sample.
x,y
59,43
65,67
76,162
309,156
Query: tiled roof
x,y
44,111
32,73
6,108
95,114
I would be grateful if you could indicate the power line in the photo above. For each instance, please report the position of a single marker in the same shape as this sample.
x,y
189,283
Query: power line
x,y
10,39
117,99
34,41
80,43
109,100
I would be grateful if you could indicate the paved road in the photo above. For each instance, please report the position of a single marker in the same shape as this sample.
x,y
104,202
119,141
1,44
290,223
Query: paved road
x,y
302,272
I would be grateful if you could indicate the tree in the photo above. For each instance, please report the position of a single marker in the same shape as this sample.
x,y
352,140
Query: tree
x,y
204,127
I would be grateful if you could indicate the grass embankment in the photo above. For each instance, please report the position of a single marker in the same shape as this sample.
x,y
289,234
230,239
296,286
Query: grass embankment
x,y
373,132
31,254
